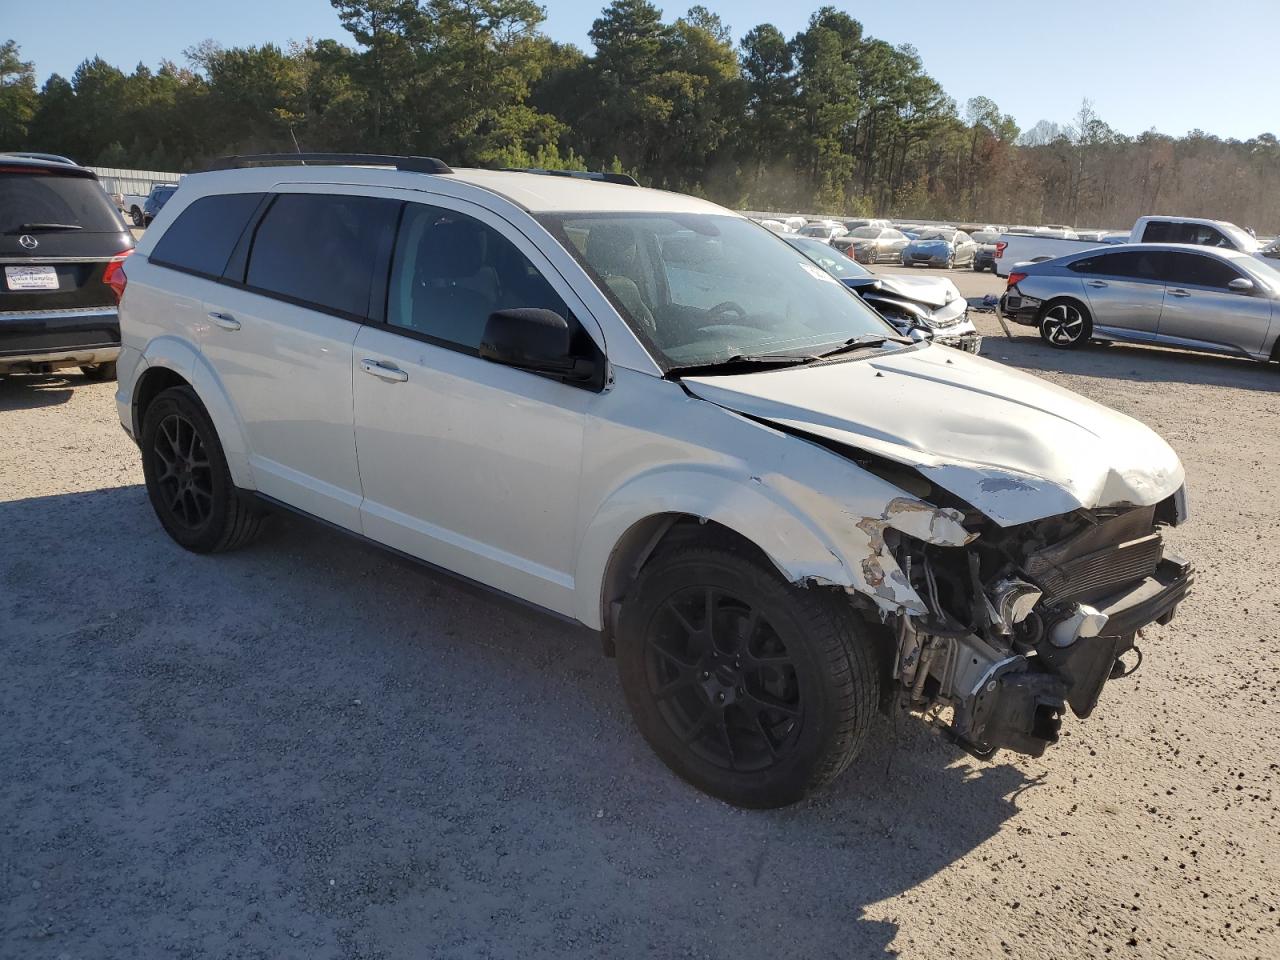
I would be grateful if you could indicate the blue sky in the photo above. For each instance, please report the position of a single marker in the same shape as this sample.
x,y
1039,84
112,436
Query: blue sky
x,y
1170,64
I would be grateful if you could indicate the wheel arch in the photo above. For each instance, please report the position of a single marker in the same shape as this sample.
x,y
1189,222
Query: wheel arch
x,y
169,362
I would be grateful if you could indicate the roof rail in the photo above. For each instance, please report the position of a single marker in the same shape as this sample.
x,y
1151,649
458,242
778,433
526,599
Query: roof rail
x,y
624,179
410,164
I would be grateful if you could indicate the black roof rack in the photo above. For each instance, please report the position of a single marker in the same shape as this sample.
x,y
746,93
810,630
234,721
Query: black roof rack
x,y
624,179
410,164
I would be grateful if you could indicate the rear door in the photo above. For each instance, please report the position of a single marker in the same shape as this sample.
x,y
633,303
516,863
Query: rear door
x,y
1201,308
279,332
58,233
1125,291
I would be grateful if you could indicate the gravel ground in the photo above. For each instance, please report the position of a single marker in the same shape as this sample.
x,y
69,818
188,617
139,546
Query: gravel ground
x,y
311,749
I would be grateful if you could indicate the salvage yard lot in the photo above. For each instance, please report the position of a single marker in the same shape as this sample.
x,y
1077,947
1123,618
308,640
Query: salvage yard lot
x,y
314,744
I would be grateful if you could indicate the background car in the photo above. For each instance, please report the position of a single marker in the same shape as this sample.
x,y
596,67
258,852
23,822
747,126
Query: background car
x,y
1177,295
856,222
984,258
872,244
822,230
940,247
61,246
155,201
928,308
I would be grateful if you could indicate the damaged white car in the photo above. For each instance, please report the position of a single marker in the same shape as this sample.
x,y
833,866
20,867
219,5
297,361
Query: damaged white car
x,y
643,413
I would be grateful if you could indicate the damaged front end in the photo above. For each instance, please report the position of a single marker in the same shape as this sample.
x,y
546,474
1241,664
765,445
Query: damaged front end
x,y
1027,620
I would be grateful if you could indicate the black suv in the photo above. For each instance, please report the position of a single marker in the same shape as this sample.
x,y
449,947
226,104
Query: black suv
x,y
62,243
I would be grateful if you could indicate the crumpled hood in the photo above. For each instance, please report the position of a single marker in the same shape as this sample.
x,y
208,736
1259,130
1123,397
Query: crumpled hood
x,y
934,291
1016,447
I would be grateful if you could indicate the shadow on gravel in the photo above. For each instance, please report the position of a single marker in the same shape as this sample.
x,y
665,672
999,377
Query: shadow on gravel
x,y
1122,361
23,391
309,748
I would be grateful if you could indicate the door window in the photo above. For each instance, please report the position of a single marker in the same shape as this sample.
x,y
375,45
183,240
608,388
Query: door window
x,y
1193,269
201,239
320,250
451,272
1137,265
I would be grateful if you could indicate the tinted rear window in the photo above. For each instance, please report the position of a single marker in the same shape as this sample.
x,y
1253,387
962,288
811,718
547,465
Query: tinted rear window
x,y
205,233
52,198
321,249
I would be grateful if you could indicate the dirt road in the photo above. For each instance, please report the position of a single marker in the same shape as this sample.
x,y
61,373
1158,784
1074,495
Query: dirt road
x,y
310,749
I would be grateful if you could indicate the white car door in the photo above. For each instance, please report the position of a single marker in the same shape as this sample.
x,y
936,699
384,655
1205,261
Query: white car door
x,y
465,463
281,341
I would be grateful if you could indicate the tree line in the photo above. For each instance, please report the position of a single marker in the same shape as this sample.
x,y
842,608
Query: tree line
x,y
830,119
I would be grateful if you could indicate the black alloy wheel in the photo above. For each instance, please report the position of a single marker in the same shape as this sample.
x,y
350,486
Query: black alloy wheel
x,y
187,478
753,689
723,679
1065,325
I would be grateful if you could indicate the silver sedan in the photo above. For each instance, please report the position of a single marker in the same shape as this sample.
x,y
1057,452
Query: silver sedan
x,y
1177,295
872,244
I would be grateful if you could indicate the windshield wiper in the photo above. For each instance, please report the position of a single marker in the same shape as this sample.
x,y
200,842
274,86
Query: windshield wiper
x,y
740,362
50,226
858,343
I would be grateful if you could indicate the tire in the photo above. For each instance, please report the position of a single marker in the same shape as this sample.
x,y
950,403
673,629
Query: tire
x,y
187,477
1065,324
99,371
135,215
773,705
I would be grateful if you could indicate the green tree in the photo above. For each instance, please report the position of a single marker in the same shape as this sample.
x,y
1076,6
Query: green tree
x,y
18,99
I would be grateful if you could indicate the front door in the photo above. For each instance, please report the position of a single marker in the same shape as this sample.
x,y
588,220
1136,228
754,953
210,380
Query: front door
x,y
1200,308
466,463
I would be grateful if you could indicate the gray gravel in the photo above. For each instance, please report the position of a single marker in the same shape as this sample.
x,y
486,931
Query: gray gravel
x,y
311,749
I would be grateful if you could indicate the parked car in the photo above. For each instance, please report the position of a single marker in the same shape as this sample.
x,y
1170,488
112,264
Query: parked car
x,y
135,205
857,222
872,244
61,248
1016,248
1177,295
643,413
924,308
774,226
155,202
984,258
822,230
940,247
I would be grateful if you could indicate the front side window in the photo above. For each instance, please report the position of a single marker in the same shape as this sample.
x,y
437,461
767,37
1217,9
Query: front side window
x,y
319,250
202,238
451,272
1195,270
704,288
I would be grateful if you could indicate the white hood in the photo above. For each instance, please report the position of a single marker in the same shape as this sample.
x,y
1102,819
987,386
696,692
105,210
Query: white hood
x,y
1012,445
935,291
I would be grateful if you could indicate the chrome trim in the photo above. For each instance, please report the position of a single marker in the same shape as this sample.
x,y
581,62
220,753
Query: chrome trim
x,y
69,313
40,260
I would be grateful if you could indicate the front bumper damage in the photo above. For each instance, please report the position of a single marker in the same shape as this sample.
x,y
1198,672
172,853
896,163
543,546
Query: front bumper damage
x,y
1010,647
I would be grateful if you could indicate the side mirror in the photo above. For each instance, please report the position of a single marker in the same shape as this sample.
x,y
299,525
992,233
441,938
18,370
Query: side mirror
x,y
1240,285
535,340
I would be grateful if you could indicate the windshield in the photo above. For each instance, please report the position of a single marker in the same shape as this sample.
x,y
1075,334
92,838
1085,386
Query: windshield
x,y
77,201
815,230
935,235
704,288
866,233
830,259
983,236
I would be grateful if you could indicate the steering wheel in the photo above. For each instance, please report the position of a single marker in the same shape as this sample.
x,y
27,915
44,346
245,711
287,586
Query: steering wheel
x,y
720,313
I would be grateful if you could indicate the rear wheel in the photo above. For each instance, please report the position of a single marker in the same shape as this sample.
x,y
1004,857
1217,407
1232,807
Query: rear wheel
x,y
100,371
135,214
187,477
754,690
1065,324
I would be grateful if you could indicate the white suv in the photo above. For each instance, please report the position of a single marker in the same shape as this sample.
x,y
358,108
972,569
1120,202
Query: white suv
x,y
645,413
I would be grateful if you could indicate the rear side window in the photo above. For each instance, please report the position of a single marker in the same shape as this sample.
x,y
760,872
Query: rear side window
x,y
1139,265
202,238
29,199
320,250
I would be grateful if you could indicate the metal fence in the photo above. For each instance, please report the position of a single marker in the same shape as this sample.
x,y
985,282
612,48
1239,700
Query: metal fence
x,y
119,180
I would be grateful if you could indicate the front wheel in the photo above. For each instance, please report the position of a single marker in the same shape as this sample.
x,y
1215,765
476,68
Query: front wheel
x,y
136,216
1065,325
187,478
754,690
